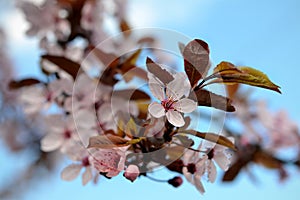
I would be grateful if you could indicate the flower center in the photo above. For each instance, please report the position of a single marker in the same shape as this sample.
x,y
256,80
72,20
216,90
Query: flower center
x,y
67,134
211,154
168,104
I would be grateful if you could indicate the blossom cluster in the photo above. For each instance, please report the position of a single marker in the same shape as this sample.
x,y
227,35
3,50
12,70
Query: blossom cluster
x,y
88,111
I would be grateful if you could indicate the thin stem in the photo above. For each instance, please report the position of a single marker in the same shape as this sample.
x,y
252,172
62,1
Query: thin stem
x,y
156,180
200,85
189,148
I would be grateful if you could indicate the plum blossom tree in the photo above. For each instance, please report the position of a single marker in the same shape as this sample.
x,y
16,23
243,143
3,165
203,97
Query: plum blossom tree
x,y
86,110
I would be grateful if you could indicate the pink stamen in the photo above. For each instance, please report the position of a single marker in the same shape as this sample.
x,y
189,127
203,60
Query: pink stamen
x,y
168,104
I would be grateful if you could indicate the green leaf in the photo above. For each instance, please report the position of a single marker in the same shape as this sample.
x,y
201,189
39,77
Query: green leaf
x,y
229,74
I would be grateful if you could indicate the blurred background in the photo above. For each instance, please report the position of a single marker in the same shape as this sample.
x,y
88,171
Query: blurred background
x,y
261,34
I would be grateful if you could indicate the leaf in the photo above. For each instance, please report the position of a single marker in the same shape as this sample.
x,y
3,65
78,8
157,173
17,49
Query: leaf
x,y
163,75
246,75
108,59
65,64
107,142
115,66
244,157
174,152
267,160
212,137
235,169
232,90
226,68
125,28
132,94
259,79
196,60
107,77
209,99
135,72
130,62
13,85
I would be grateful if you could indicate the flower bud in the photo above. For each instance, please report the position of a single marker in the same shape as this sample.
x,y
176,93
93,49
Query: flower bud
x,y
132,172
176,181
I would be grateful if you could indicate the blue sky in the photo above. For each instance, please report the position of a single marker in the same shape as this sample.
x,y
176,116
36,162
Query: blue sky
x,y
261,34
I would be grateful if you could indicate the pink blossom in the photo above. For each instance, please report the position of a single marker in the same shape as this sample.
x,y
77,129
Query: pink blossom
x,y
81,156
282,132
60,135
48,18
194,168
109,161
172,100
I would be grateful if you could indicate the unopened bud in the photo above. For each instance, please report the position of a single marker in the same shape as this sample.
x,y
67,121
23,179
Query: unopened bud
x,y
132,172
176,181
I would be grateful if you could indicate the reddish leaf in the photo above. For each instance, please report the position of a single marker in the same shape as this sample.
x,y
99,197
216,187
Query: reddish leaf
x,y
107,77
163,75
196,60
212,137
132,94
65,64
125,28
235,169
108,59
245,156
130,62
267,160
23,83
232,90
209,99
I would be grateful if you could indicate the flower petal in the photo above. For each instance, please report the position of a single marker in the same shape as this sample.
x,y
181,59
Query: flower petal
x,y
212,171
176,88
198,183
156,110
222,160
87,175
51,142
185,105
175,118
187,175
71,172
156,87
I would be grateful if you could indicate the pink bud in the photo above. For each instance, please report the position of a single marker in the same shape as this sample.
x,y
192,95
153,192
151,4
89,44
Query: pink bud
x,y
132,172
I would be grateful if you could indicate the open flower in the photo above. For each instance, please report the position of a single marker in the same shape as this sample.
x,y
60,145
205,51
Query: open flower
x,y
172,99
194,169
82,161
